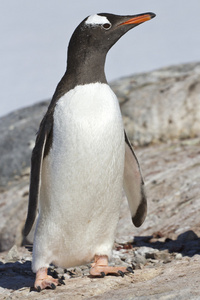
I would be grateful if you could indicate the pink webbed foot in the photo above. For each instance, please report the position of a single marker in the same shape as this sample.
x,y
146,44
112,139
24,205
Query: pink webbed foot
x,y
43,280
101,268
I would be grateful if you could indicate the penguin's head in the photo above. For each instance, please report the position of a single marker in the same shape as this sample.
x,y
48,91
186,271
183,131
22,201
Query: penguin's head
x,y
101,31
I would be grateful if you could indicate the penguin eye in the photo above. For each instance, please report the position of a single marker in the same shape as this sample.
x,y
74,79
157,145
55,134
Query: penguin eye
x,y
106,26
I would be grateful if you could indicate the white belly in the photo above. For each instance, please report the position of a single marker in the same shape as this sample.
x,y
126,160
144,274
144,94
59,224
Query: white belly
x,y
82,178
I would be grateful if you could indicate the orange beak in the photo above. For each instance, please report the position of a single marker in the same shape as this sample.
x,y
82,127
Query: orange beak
x,y
138,19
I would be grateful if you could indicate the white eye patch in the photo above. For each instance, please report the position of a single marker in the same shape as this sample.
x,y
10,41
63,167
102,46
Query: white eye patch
x,y
96,20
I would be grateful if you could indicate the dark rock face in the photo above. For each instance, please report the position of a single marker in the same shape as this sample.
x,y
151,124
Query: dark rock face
x,y
17,138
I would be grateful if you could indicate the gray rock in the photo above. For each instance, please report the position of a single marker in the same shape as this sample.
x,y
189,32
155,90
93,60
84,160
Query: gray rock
x,y
146,250
139,259
12,255
13,208
17,138
161,105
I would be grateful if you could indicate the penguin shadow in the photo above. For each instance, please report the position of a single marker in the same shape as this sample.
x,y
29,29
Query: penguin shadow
x,y
16,275
187,243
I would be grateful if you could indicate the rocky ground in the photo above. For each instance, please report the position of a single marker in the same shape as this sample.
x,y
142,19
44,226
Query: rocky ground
x,y
164,252
158,275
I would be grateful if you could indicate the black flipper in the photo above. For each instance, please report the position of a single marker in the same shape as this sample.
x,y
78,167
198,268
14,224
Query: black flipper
x,y
35,178
134,186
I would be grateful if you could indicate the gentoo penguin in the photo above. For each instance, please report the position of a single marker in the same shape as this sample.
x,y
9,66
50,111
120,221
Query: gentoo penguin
x,y
82,160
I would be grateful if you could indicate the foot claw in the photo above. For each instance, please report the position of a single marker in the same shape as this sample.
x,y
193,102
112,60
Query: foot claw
x,y
121,273
53,286
38,289
55,274
60,280
129,269
103,274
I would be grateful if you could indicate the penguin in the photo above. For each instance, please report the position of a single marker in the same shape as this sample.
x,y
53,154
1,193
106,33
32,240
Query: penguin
x,y
82,160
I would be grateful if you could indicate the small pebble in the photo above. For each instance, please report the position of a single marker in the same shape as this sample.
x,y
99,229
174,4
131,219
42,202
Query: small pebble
x,y
86,272
139,259
78,271
83,267
13,255
178,256
60,270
